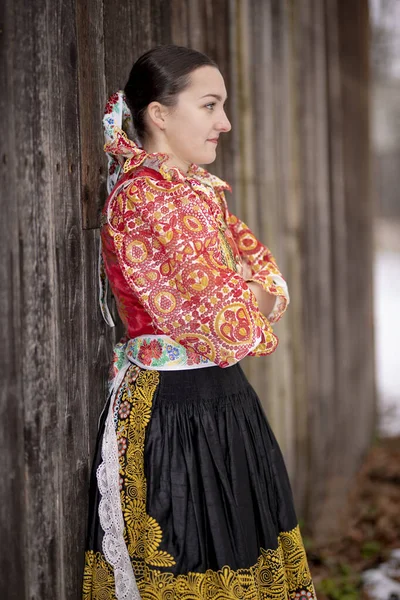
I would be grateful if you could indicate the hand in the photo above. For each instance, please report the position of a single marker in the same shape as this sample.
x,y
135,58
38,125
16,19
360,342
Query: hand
x,y
265,300
246,270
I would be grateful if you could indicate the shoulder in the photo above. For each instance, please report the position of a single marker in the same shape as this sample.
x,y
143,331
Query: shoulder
x,y
148,197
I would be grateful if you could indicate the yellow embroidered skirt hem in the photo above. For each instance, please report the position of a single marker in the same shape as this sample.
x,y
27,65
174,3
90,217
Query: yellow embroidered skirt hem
x,y
189,496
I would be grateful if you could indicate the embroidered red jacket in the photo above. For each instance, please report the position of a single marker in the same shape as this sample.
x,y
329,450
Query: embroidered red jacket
x,y
172,253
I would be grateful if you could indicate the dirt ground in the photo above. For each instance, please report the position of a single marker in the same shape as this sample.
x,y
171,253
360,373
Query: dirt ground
x,y
371,527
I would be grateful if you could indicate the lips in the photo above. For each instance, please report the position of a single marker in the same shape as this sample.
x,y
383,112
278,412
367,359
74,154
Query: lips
x,y
215,140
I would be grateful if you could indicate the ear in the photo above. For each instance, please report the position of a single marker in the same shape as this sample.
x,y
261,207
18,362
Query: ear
x,y
156,113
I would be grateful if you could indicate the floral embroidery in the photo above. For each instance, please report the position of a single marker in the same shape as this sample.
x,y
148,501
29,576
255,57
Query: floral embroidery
x,y
122,443
303,595
98,578
275,576
162,353
260,259
148,351
124,410
143,533
171,258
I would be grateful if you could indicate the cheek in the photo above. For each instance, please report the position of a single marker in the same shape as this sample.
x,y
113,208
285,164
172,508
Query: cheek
x,y
196,121
190,132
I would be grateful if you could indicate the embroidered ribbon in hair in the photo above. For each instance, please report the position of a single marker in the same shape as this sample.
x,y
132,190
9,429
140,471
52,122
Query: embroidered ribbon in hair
x,y
122,145
116,121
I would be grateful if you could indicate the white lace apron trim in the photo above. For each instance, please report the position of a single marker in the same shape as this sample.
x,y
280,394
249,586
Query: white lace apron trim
x,y
110,511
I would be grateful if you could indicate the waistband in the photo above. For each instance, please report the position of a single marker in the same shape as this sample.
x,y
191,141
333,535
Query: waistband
x,y
162,353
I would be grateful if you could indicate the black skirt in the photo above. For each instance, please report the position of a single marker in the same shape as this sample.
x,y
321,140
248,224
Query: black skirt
x,y
204,507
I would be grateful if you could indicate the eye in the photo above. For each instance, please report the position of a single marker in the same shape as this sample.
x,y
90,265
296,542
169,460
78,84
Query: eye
x,y
212,104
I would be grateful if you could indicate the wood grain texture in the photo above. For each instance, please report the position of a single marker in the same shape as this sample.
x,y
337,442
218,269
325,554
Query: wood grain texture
x,y
13,518
74,299
32,73
317,283
359,211
88,51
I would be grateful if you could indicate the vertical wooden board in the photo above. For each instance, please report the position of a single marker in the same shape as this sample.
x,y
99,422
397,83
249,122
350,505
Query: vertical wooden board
x,y
323,229
324,440
337,481
228,143
314,198
160,22
215,26
180,23
142,29
75,298
127,35
245,122
274,186
12,505
234,107
38,302
263,99
99,341
304,89
120,43
296,338
264,209
196,25
242,176
89,54
354,62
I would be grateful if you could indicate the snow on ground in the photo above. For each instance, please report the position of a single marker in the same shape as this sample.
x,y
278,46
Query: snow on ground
x,y
387,338
382,583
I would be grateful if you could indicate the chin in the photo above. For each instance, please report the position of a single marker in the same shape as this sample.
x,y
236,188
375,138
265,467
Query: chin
x,y
207,162
207,159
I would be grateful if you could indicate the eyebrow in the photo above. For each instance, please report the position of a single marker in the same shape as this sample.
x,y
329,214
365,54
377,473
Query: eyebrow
x,y
217,96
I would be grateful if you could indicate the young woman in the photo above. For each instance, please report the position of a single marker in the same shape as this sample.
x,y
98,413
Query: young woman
x,y
190,498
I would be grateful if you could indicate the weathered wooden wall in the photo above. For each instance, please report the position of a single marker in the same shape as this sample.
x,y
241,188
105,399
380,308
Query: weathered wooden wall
x,y
298,160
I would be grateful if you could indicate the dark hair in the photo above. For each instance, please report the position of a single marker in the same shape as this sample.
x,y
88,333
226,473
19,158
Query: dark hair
x,y
160,75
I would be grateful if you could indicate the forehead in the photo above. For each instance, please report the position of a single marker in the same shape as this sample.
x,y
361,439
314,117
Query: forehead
x,y
206,80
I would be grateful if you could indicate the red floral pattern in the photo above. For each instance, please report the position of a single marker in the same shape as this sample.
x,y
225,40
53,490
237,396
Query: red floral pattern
x,y
171,251
149,351
263,264
111,103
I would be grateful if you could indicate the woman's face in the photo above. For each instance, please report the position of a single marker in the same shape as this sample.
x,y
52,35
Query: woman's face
x,y
191,129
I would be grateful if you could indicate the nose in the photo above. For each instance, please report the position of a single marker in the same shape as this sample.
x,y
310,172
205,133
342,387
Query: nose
x,y
224,124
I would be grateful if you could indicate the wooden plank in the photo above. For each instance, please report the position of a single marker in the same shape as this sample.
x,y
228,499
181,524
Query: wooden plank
x,y
99,342
12,507
320,365
197,32
273,128
180,23
160,22
293,242
130,24
338,480
38,301
75,299
215,28
354,64
316,382
89,57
